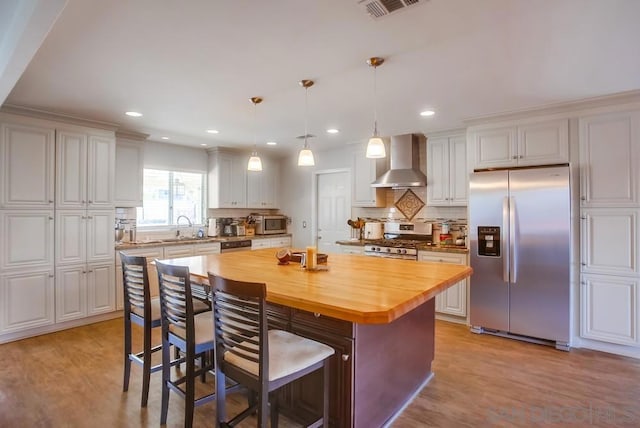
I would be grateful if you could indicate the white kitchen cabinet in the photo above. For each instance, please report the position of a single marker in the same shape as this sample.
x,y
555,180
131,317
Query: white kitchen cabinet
x,y
281,242
176,251
610,159
84,236
262,185
27,160
208,248
610,241
452,301
129,171
85,168
27,300
447,175
151,253
364,171
258,244
85,290
119,289
27,239
351,249
227,179
538,143
610,309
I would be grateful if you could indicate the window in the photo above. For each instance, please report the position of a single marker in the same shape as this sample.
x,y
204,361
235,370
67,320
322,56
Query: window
x,y
170,194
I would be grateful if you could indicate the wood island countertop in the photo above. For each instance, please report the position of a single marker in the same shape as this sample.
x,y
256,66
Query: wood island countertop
x,y
367,290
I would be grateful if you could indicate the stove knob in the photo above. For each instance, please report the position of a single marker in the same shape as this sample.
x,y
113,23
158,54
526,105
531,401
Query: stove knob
x,y
388,250
376,249
404,251
399,251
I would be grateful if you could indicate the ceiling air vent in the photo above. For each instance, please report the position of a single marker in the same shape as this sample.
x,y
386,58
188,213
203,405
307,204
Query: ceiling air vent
x,y
379,8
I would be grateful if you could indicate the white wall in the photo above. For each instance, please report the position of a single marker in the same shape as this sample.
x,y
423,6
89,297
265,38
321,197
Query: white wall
x,y
174,157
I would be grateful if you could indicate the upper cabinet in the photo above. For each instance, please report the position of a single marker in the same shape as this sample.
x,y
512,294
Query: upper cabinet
x,y
129,173
262,185
85,164
26,147
447,175
364,172
539,143
610,159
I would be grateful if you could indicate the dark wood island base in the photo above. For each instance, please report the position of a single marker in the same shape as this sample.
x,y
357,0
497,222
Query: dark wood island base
x,y
376,370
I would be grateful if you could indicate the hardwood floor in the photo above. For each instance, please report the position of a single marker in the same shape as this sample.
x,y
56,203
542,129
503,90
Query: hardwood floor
x,y
74,379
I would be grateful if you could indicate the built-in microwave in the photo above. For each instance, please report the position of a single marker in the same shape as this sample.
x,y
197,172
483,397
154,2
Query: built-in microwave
x,y
270,224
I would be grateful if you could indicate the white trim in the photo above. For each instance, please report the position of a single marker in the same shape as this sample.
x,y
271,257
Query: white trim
x,y
594,345
392,419
57,117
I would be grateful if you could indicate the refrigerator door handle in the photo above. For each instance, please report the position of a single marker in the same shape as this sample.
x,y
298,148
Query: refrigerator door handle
x,y
506,261
513,242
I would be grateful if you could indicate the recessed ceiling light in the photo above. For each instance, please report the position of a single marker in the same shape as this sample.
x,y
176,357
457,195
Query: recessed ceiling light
x,y
203,144
164,138
271,143
133,113
333,131
212,131
427,113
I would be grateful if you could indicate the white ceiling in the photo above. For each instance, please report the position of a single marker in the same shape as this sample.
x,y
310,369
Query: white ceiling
x,y
192,65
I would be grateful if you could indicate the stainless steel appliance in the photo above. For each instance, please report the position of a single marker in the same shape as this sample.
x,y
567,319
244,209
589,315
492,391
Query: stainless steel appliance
x,y
270,224
519,232
240,245
400,241
226,228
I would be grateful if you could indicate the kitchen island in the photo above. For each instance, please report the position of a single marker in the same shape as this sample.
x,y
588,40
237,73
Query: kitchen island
x,y
377,313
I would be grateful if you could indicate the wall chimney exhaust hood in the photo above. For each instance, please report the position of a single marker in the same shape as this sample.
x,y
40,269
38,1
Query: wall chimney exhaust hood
x,y
405,164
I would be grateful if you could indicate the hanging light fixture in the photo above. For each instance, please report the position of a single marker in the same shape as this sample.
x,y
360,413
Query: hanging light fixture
x,y
305,157
375,147
255,163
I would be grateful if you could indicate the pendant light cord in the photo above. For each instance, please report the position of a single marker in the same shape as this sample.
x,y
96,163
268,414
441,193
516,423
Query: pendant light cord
x,y
375,104
255,128
306,117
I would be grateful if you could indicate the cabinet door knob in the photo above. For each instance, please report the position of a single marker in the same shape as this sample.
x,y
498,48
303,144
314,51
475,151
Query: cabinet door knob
x,y
84,202
521,156
583,264
50,218
50,201
50,275
316,314
90,202
90,217
345,357
583,198
514,157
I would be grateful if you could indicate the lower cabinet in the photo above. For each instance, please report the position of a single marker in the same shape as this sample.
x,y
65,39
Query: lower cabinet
x,y
610,308
85,290
302,399
352,249
27,300
452,301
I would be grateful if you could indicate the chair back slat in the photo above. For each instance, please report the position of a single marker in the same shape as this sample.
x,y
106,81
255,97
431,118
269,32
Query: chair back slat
x,y
240,320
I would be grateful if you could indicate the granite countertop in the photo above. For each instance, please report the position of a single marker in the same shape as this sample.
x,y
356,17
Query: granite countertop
x,y
421,247
187,241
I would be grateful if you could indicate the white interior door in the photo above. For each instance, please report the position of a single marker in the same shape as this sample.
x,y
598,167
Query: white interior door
x,y
333,205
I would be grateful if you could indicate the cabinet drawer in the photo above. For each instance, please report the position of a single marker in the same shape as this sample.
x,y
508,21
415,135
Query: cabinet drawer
x,y
436,257
257,244
202,249
151,253
178,251
322,322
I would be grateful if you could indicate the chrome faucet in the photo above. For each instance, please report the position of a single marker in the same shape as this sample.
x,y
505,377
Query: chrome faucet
x,y
178,223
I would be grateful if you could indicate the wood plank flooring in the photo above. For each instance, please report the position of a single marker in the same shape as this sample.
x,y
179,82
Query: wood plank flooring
x,y
74,379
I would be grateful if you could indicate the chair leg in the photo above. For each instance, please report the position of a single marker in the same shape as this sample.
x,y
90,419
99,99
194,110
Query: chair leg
x,y
325,393
203,365
127,352
273,409
263,404
166,376
221,397
189,393
146,365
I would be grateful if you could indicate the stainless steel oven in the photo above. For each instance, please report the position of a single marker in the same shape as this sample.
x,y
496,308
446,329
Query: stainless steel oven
x,y
400,241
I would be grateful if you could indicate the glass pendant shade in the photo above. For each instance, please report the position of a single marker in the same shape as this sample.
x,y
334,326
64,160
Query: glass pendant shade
x,y
305,157
255,163
375,148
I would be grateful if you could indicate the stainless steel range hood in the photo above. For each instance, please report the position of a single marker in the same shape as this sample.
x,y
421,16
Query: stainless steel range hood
x,y
405,164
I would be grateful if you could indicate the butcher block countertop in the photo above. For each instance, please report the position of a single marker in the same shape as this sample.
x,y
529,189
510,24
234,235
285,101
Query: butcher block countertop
x,y
367,290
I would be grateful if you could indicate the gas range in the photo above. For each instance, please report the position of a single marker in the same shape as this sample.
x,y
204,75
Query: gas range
x,y
400,241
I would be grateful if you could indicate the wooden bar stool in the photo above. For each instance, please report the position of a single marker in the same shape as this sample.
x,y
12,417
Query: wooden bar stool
x,y
191,333
262,360
144,310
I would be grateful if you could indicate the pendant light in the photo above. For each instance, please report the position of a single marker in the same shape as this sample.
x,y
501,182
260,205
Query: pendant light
x,y
305,157
255,163
375,147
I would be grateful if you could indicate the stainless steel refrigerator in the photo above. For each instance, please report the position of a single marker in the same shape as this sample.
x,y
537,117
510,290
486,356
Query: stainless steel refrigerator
x,y
519,232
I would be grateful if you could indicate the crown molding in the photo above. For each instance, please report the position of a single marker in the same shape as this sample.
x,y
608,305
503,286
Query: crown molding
x,y
446,133
58,117
131,135
567,108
